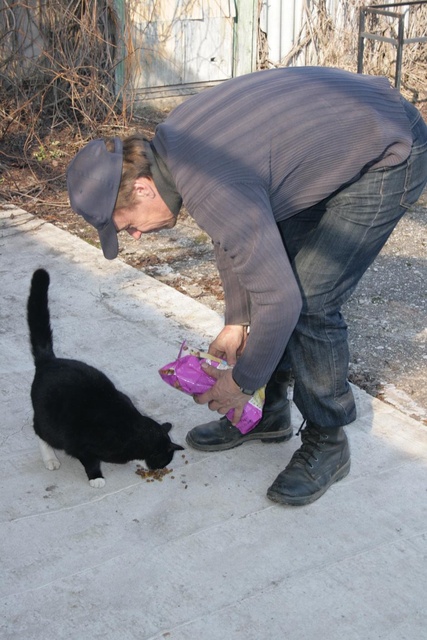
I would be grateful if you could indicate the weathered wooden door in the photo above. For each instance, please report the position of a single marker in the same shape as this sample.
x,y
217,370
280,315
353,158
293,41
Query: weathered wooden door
x,y
179,43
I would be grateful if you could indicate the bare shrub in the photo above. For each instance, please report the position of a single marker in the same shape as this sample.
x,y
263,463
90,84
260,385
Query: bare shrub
x,y
57,64
332,40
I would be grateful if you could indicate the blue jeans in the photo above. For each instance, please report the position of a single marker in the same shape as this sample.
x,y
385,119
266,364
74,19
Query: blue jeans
x,y
331,245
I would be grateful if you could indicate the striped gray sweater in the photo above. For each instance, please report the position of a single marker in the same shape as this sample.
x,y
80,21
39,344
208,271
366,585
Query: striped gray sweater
x,y
258,149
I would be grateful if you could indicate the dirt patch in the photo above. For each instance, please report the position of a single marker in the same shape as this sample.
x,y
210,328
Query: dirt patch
x,y
386,315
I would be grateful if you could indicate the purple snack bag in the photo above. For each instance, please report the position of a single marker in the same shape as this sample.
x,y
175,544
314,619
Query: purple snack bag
x,y
187,375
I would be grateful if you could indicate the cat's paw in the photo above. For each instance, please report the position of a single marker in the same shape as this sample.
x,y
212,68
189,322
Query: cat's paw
x,y
97,483
49,458
52,464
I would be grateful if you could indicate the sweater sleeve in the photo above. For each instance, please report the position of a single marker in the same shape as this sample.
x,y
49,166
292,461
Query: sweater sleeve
x,y
237,301
255,268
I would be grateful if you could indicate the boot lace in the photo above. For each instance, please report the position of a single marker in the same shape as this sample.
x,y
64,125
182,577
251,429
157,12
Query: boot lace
x,y
311,441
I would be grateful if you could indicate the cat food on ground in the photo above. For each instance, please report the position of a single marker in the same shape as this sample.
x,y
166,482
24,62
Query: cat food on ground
x,y
150,475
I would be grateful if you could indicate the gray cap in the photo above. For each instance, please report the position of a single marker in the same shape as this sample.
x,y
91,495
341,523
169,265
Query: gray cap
x,y
93,181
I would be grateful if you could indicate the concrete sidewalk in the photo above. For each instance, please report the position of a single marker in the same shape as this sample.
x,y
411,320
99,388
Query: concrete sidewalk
x,y
202,554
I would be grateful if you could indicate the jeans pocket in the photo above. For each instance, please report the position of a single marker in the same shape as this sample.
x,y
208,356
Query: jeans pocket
x,y
416,170
416,176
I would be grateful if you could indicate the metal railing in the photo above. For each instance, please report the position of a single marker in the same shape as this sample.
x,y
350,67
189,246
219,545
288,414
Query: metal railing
x,y
398,42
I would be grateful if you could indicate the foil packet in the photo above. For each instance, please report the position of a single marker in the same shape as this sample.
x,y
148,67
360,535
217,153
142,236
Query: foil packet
x,y
187,375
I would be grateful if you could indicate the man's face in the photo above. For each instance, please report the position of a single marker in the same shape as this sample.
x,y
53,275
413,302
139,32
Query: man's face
x,y
148,213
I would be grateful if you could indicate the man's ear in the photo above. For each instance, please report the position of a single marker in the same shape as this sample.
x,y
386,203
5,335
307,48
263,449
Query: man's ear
x,y
144,188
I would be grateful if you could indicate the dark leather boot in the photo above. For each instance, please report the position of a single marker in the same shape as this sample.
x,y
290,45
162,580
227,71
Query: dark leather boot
x,y
322,459
274,426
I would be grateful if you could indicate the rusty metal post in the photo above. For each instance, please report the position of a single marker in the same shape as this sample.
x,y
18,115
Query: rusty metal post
x,y
399,54
361,43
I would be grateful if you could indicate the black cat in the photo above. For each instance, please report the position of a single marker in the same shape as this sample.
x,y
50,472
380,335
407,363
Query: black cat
x,y
79,410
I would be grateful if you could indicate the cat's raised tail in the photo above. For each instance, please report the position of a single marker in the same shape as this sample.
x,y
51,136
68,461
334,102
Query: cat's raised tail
x,y
39,319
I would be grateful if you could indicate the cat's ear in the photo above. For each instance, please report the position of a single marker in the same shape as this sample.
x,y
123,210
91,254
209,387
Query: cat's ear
x,y
175,447
166,426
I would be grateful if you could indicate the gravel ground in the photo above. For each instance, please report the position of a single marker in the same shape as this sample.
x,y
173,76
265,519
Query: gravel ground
x,y
387,318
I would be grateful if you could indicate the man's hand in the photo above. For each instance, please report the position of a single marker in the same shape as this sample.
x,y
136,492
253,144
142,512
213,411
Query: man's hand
x,y
224,395
230,343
